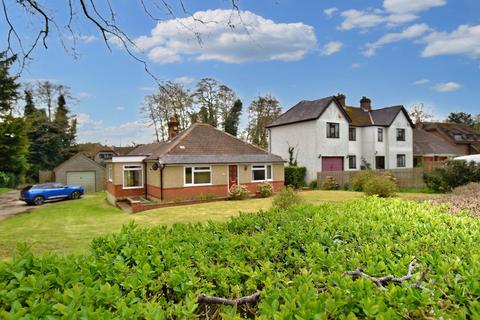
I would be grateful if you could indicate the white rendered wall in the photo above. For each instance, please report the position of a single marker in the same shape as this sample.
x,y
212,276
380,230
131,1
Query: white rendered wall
x,y
400,147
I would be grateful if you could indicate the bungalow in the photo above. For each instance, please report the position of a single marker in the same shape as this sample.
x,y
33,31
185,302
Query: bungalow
x,y
200,161
461,136
430,150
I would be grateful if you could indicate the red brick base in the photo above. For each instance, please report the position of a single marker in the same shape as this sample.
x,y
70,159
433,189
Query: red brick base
x,y
118,191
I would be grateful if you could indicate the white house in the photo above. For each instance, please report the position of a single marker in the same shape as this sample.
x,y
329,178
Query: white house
x,y
327,135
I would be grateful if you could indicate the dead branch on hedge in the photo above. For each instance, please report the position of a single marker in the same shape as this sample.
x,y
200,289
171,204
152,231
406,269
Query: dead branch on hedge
x,y
253,298
380,282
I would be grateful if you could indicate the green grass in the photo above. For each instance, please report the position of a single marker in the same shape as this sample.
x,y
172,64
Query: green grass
x,y
3,190
69,226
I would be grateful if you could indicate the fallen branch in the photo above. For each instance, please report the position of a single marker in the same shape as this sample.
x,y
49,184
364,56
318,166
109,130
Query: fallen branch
x,y
380,282
254,298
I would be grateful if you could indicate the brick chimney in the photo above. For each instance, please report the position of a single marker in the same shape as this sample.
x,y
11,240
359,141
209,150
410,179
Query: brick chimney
x,y
172,128
366,104
342,99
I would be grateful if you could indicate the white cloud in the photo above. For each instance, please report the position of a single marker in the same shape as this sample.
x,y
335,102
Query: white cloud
x,y
330,11
119,135
254,38
147,88
83,95
120,108
85,120
464,40
411,32
184,80
421,81
394,12
355,65
331,48
83,38
446,86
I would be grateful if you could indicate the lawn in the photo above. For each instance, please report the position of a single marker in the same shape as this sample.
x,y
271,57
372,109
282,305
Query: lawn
x,y
3,190
70,226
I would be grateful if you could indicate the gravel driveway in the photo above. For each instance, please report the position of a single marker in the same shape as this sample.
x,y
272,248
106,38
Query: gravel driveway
x,y
10,205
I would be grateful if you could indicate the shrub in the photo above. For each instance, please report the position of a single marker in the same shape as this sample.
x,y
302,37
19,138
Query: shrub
x,y
389,176
7,180
264,190
453,174
295,176
361,178
238,192
313,185
380,186
463,198
330,183
286,198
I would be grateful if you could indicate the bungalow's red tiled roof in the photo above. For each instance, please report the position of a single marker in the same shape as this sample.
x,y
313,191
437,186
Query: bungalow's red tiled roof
x,y
428,144
458,133
202,143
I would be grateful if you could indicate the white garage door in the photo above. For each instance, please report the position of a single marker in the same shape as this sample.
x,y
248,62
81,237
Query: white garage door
x,y
86,179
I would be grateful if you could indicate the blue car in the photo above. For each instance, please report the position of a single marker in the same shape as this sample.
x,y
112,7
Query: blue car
x,y
37,194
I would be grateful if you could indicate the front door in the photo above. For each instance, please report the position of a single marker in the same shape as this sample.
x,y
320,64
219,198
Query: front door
x,y
232,175
379,162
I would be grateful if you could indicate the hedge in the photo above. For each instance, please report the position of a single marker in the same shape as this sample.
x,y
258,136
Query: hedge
x,y
295,176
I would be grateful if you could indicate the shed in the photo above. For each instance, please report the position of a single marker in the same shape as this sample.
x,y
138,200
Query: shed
x,y
83,171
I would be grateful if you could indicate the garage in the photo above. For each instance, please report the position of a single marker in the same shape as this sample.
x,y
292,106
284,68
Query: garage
x,y
86,179
332,163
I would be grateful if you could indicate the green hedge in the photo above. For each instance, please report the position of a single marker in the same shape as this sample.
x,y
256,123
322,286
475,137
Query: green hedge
x,y
288,256
295,176
453,174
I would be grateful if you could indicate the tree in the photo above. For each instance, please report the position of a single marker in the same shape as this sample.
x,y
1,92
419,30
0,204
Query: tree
x,y
477,122
418,113
8,84
46,92
29,108
152,117
206,97
261,112
65,127
461,117
232,119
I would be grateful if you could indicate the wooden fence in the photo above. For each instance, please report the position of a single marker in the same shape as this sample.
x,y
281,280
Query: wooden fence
x,y
407,178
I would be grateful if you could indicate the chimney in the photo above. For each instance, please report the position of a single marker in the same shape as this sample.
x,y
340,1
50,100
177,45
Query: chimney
x,y
366,104
172,128
341,98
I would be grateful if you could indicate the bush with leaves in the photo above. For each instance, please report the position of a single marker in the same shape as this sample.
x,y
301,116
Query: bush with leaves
x,y
381,186
286,198
462,199
238,192
453,174
264,190
313,185
295,176
7,180
360,178
330,183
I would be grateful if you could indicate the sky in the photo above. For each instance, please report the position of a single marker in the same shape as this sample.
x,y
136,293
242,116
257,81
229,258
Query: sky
x,y
393,51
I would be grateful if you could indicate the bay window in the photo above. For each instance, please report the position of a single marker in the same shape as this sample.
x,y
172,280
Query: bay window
x,y
197,176
262,172
133,176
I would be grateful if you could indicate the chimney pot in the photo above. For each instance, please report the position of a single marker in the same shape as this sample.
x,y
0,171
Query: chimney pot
x,y
366,104
342,99
172,128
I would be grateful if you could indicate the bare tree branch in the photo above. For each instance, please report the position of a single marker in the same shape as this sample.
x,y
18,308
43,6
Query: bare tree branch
x,y
253,298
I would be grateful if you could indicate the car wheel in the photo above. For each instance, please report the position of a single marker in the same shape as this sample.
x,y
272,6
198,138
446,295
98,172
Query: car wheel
x,y
38,200
75,195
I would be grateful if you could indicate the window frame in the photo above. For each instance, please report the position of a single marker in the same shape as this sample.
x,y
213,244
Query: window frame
x,y
192,182
265,166
139,168
354,157
400,156
379,134
110,172
336,130
350,130
404,134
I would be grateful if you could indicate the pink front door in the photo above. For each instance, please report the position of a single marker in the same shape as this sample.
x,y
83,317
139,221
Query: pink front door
x,y
332,163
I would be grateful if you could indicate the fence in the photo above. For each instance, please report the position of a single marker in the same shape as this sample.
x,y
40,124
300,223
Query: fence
x,y
407,178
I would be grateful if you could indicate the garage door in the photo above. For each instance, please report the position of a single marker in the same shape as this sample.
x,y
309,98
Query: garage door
x,y
332,163
86,179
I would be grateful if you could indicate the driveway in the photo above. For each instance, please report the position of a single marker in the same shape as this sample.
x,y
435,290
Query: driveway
x,y
10,205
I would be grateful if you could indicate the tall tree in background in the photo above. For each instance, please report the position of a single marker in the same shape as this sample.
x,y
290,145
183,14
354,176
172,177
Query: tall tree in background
x,y
66,128
29,108
13,130
419,113
461,117
232,118
261,112
206,98
46,92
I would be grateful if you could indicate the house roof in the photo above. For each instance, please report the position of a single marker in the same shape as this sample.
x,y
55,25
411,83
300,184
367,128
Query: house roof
x,y
426,143
312,110
202,143
458,133
78,155
306,110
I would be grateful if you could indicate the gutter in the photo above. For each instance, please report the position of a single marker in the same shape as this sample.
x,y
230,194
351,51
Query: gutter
x,y
162,166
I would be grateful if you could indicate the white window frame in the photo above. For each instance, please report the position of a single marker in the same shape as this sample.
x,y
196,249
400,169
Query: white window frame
x,y
110,172
265,170
192,183
139,168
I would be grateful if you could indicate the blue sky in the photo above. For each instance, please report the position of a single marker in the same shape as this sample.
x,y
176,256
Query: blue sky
x,y
393,51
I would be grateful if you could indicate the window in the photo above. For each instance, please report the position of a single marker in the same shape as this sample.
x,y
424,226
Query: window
x,y
109,172
352,162
132,176
401,161
352,134
333,130
197,176
380,135
261,172
400,134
